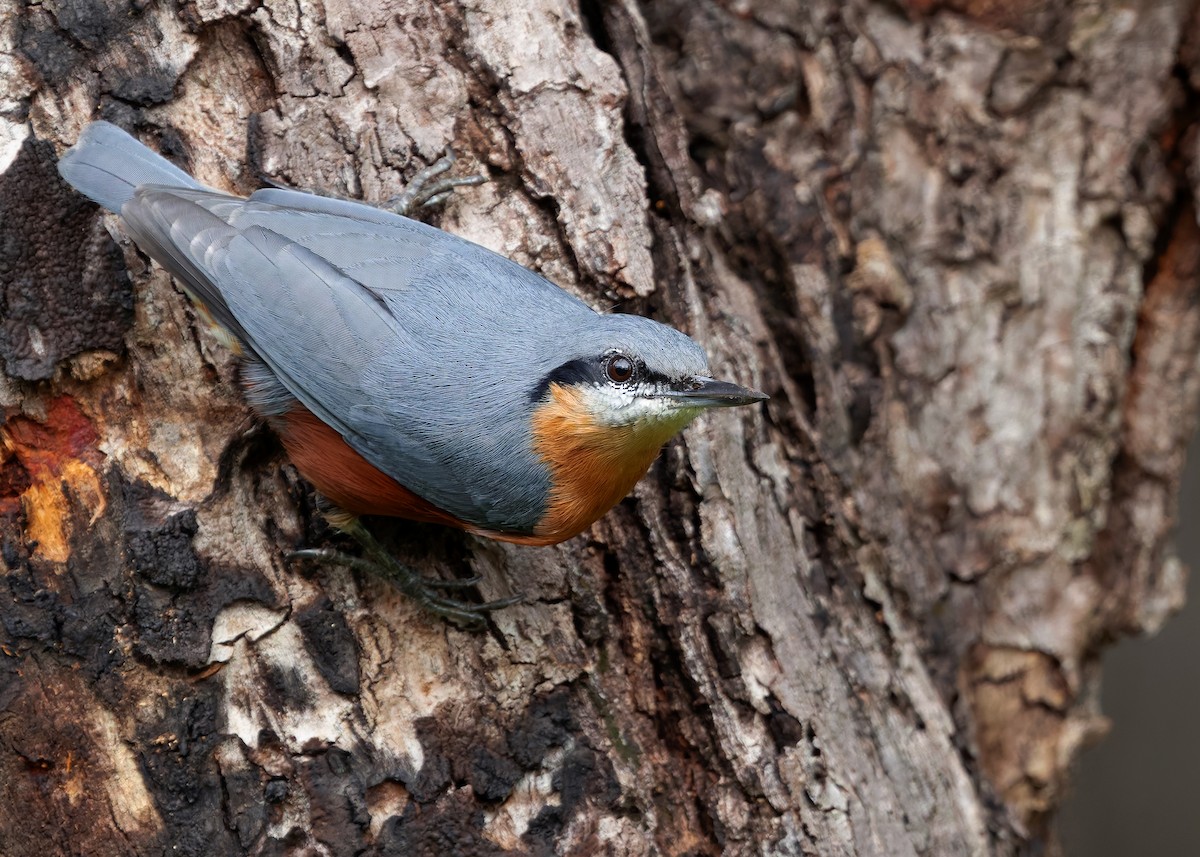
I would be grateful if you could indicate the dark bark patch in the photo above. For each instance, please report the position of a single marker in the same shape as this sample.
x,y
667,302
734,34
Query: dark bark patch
x,y
491,753
284,689
490,757
139,73
96,23
46,46
158,539
336,783
492,776
584,778
547,723
245,804
177,629
63,288
168,634
545,827
585,775
434,776
786,730
176,757
453,825
276,791
176,595
153,85
29,611
87,625
331,644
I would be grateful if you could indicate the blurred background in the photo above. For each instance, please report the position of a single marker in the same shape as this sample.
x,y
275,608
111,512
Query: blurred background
x,y
1138,791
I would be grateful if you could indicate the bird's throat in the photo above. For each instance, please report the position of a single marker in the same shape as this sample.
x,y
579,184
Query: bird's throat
x,y
592,465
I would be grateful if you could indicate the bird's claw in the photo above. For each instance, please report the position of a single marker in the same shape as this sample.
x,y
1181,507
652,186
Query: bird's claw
x,y
328,556
417,587
423,192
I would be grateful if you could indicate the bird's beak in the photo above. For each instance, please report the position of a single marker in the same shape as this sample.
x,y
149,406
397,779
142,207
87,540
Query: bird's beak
x,y
700,392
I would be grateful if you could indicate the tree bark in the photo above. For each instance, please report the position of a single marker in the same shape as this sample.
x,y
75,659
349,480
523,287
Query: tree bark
x,y
955,242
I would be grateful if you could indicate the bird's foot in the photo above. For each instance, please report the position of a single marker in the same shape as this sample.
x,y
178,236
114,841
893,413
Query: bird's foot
x,y
423,192
423,590
420,192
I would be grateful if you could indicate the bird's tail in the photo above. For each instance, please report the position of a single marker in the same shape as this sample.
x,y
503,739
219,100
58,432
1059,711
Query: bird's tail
x,y
107,166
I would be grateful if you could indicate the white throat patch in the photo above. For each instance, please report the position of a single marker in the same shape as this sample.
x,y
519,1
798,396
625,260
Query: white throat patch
x,y
631,406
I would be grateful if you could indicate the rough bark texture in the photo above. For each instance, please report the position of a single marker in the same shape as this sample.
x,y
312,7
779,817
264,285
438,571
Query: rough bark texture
x,y
955,241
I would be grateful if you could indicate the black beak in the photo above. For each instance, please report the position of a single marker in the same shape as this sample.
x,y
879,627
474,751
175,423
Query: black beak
x,y
700,392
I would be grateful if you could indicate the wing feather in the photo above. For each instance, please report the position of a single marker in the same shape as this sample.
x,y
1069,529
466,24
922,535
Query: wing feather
x,y
421,349
418,347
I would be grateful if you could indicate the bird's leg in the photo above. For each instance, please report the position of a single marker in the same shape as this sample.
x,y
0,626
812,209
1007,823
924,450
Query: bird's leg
x,y
423,192
421,589
329,556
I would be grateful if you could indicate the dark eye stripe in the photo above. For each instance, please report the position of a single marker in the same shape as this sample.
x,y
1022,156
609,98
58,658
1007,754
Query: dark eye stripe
x,y
571,372
596,371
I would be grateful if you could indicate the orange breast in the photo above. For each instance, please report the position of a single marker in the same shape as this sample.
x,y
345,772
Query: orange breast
x,y
592,466
354,484
345,477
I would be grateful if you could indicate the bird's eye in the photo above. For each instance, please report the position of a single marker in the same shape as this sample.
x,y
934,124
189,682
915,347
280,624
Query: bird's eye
x,y
619,369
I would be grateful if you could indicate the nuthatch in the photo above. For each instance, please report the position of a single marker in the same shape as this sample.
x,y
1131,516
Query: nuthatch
x,y
410,372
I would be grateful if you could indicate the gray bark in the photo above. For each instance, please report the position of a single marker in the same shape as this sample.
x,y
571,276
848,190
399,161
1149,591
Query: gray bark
x,y
956,242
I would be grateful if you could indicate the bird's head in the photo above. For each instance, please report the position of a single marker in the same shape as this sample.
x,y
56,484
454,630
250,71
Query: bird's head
x,y
626,385
635,375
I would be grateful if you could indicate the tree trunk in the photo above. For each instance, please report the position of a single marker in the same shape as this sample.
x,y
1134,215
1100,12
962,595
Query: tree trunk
x,y
954,241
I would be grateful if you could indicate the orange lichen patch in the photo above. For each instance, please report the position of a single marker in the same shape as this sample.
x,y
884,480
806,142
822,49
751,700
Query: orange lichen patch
x,y
44,446
592,466
73,784
47,509
43,461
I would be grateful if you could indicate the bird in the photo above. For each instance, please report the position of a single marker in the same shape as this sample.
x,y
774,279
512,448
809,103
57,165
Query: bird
x,y
409,372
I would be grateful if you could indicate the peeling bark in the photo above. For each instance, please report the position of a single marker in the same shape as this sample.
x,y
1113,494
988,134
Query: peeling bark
x,y
956,243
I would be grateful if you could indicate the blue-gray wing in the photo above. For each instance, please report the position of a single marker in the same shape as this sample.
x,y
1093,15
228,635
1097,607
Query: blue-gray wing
x,y
417,347
385,252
